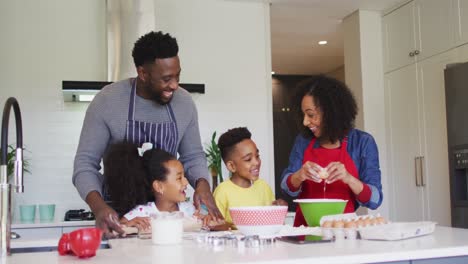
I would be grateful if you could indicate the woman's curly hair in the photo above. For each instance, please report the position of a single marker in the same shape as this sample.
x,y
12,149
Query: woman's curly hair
x,y
336,102
129,178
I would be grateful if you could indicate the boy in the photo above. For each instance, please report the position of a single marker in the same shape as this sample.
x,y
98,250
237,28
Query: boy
x,y
244,188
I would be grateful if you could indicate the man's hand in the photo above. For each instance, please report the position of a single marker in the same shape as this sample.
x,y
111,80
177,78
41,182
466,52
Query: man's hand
x,y
204,196
106,218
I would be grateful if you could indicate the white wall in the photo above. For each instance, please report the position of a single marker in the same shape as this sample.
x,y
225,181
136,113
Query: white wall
x,y
226,46
364,75
43,43
338,73
222,44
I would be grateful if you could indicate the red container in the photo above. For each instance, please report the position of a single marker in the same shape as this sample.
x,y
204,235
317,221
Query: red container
x,y
82,242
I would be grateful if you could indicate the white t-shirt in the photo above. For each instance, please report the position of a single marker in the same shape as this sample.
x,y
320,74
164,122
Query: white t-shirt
x,y
146,210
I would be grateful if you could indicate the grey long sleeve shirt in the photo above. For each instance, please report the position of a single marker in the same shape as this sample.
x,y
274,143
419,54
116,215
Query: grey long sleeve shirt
x,y
105,123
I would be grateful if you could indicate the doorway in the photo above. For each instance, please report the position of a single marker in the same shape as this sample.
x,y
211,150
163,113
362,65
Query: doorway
x,y
285,128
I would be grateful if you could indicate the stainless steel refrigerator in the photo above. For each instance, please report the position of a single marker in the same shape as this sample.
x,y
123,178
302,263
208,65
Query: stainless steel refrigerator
x,y
456,97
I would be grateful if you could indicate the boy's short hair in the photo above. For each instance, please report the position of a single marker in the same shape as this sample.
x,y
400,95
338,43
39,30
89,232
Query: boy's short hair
x,y
231,138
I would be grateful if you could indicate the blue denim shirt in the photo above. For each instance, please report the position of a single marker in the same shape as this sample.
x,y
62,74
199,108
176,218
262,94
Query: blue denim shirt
x,y
363,151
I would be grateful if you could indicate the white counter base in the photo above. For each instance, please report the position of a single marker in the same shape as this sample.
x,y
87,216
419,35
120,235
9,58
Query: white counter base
x,y
445,242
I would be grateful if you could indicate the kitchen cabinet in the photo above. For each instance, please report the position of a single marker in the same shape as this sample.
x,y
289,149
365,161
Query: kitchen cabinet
x,y
47,230
399,37
418,30
417,141
461,9
462,53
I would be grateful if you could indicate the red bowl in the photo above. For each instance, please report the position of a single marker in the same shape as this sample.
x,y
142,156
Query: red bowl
x,y
84,242
258,215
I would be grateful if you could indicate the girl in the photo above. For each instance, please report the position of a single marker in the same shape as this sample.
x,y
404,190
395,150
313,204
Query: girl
x,y
144,181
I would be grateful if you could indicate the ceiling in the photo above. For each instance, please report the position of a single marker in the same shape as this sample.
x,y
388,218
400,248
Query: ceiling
x,y
298,25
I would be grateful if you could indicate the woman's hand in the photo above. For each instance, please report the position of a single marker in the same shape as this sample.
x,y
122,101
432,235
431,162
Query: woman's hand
x,y
337,171
308,171
142,223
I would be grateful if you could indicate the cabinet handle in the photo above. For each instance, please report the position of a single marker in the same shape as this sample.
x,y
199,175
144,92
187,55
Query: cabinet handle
x,y
411,54
416,52
421,165
416,171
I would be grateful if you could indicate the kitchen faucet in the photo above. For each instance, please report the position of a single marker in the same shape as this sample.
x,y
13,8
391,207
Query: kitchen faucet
x,y
5,186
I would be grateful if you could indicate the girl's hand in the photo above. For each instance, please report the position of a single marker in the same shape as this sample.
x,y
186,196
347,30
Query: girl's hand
x,y
221,226
142,223
280,202
337,171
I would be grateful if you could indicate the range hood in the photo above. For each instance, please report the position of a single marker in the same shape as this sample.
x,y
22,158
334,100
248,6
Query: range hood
x,y
126,22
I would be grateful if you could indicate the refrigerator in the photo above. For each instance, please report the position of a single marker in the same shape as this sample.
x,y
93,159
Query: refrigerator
x,y
456,98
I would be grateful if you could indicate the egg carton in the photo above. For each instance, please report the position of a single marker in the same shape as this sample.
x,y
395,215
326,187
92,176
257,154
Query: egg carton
x,y
397,231
347,228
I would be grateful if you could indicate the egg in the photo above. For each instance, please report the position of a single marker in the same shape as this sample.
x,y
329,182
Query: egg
x,y
338,224
323,174
380,220
327,224
359,222
350,224
372,220
367,222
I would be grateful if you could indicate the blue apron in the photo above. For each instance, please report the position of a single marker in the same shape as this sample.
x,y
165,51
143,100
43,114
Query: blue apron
x,y
162,135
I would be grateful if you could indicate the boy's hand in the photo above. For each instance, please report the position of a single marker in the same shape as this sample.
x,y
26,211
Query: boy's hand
x,y
280,202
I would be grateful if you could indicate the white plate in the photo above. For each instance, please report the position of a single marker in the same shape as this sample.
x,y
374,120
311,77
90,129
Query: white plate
x,y
397,231
260,230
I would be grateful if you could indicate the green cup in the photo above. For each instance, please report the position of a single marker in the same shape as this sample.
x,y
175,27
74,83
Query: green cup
x,y
314,209
46,212
27,213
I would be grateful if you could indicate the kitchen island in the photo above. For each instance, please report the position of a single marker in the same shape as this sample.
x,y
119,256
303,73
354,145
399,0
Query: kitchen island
x,y
445,245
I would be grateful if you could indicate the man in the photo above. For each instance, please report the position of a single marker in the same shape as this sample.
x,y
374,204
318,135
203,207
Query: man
x,y
149,108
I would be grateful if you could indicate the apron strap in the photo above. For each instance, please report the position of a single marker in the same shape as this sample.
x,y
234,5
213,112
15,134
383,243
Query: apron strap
x,y
131,105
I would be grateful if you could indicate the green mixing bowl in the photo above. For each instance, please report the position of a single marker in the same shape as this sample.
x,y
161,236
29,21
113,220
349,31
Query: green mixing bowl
x,y
314,209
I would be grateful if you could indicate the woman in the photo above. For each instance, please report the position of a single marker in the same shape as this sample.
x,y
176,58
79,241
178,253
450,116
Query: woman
x,y
330,158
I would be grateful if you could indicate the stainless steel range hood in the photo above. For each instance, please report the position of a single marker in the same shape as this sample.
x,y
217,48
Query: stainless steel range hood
x,y
126,22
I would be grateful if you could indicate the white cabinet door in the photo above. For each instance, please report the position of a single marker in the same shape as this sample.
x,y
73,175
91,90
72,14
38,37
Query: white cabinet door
x,y
462,53
435,26
403,141
462,8
399,37
434,137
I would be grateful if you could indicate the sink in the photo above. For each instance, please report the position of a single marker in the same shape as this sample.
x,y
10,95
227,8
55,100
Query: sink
x,y
103,245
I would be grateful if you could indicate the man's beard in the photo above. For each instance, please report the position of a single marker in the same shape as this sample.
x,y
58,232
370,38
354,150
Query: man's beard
x,y
157,96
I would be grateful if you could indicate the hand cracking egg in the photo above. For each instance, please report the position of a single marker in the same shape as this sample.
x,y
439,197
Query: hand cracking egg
x,y
323,173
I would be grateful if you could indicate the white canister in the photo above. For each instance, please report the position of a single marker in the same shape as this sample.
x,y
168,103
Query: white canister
x,y
167,228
